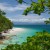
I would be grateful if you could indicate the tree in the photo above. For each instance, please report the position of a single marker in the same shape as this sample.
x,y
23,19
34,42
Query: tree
x,y
38,7
47,21
2,12
41,6
5,23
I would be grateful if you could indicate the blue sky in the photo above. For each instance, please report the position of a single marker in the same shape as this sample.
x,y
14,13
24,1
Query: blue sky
x,y
14,12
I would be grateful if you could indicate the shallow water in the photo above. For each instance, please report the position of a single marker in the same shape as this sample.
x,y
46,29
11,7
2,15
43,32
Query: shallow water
x,y
21,36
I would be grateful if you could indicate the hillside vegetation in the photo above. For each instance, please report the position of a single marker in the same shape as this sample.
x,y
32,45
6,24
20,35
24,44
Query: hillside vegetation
x,y
5,23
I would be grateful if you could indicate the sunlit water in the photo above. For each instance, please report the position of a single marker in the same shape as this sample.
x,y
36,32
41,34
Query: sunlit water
x,y
23,32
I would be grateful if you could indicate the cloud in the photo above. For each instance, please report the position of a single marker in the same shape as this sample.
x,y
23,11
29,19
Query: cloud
x,y
28,18
8,7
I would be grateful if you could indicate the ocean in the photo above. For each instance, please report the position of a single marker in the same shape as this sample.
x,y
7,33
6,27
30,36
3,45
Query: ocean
x,y
27,31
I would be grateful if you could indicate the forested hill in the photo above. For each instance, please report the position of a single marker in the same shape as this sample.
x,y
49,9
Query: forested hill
x,y
5,23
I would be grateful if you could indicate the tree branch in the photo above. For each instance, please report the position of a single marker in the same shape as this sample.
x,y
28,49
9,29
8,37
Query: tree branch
x,y
25,2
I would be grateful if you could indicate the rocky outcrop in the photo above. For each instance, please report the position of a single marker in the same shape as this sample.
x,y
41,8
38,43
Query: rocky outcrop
x,y
1,36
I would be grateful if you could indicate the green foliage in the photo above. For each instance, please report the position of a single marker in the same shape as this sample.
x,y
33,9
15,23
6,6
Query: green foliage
x,y
41,6
40,41
37,7
47,21
2,12
20,1
27,10
5,23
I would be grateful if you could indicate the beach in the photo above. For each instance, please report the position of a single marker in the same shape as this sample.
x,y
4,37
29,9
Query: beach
x,y
19,34
10,33
13,31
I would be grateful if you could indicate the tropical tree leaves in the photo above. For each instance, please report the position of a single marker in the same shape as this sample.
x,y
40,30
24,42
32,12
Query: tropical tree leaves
x,y
39,1
5,23
27,11
37,7
20,1
47,21
2,12
41,6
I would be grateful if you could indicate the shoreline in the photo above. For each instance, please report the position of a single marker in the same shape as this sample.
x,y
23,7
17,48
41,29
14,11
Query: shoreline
x,y
12,32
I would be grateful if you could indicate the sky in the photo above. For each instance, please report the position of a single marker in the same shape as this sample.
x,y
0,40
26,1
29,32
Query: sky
x,y
14,12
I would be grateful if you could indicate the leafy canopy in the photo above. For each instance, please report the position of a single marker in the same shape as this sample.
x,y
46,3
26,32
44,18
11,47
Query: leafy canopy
x,y
38,7
41,6
5,23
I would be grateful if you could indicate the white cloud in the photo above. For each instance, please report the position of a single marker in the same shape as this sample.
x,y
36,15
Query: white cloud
x,y
21,18
8,7
28,18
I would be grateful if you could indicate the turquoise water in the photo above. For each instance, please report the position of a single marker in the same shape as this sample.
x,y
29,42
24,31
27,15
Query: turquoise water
x,y
28,30
22,36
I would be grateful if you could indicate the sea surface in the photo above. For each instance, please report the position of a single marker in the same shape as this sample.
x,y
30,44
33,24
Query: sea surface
x,y
28,31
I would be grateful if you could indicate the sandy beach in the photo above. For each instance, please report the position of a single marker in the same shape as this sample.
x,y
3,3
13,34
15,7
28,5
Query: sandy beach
x,y
13,31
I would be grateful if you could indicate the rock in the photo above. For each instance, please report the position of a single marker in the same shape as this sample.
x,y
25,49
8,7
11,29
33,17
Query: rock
x,y
1,36
6,31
